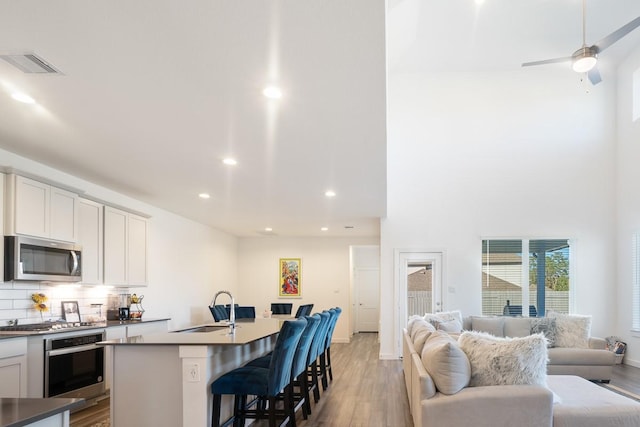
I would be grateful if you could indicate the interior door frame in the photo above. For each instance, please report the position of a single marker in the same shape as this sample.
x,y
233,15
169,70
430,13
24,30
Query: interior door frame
x,y
402,257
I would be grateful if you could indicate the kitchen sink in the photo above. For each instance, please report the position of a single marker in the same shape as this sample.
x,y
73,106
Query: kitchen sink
x,y
206,328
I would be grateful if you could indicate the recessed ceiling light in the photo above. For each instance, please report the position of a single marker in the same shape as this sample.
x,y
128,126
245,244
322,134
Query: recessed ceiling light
x,y
330,193
272,92
229,161
204,195
268,229
23,97
324,229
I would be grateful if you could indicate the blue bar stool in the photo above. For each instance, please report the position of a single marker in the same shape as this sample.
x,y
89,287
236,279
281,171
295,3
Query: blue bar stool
x,y
317,347
325,357
299,369
267,383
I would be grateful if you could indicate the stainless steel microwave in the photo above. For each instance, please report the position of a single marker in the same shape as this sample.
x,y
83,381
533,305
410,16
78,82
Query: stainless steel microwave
x,y
33,259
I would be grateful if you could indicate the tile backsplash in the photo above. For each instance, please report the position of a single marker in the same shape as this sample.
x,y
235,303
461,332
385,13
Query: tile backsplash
x,y
16,302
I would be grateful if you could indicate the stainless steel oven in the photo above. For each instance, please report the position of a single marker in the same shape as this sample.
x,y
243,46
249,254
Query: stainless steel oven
x,y
74,366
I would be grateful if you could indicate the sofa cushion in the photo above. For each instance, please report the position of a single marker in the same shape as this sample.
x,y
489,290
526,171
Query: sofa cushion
x,y
447,364
505,361
580,356
516,327
572,330
545,326
490,325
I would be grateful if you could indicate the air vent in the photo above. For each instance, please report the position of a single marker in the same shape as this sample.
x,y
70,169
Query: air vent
x,y
30,63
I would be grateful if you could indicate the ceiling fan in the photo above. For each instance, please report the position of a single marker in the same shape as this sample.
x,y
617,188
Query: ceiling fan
x,y
584,59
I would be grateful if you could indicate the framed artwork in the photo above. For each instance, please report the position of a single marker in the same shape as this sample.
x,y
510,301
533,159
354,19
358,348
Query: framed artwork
x,y
290,283
70,311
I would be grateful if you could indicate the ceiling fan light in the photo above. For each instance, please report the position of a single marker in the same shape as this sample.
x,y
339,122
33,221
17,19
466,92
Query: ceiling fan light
x,y
584,59
584,64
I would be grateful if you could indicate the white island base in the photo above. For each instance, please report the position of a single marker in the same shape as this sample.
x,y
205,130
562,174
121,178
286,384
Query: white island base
x,y
165,379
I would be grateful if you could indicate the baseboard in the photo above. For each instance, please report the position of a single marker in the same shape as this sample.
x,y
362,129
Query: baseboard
x,y
388,356
634,363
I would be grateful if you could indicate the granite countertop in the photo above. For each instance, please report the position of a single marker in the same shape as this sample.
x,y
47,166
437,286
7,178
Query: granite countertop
x,y
247,331
16,412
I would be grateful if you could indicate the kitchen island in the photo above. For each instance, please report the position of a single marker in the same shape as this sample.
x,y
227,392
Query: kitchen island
x,y
165,379
52,412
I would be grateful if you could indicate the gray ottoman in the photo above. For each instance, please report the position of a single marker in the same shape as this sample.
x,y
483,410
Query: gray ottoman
x,y
584,404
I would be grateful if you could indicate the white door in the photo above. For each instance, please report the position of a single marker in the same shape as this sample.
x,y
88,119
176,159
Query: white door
x,y
367,284
417,262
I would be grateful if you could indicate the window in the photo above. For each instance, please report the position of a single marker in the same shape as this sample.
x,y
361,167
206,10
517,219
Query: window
x,y
544,268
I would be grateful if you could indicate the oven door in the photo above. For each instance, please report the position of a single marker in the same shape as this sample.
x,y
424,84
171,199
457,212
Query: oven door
x,y
76,369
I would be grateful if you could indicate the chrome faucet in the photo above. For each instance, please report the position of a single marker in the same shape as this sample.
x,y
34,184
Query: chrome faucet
x,y
232,309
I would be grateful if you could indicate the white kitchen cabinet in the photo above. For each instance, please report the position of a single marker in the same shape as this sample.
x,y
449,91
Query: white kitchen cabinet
x,y
90,236
41,210
125,248
126,331
13,367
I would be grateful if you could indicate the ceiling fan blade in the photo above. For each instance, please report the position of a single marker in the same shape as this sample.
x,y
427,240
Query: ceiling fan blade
x,y
594,76
548,61
617,35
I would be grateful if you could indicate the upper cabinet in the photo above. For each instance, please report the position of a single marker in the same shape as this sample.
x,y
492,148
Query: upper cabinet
x,y
90,236
125,248
42,210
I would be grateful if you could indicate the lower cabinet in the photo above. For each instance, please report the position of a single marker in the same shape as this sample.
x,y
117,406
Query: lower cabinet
x,y
126,331
13,367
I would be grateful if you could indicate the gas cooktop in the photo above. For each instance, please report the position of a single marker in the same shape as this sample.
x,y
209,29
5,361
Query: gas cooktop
x,y
38,328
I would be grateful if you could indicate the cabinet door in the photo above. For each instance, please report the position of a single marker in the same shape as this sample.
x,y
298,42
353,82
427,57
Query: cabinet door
x,y
13,377
64,215
90,223
115,246
137,250
32,200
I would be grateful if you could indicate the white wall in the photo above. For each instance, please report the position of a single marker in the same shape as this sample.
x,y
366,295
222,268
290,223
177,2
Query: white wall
x,y
500,154
188,262
628,201
325,273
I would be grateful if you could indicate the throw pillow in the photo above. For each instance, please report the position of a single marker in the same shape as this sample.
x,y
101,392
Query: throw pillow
x,y
546,326
421,337
418,326
446,363
412,321
444,316
451,326
572,330
505,361
490,325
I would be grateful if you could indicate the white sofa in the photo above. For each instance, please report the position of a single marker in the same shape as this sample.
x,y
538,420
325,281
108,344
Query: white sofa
x,y
587,356
488,406
565,401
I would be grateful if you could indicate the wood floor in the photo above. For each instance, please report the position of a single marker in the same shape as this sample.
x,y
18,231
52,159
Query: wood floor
x,y
365,391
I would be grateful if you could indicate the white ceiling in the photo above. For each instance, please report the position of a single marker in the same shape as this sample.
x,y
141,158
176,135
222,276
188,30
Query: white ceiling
x,y
155,93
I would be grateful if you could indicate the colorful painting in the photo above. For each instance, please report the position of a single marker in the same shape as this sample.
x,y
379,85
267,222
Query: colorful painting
x,y
290,283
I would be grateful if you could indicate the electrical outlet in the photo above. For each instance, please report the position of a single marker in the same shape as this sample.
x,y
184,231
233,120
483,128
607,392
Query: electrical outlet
x,y
192,373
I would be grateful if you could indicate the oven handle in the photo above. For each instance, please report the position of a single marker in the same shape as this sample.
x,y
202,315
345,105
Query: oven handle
x,y
75,349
